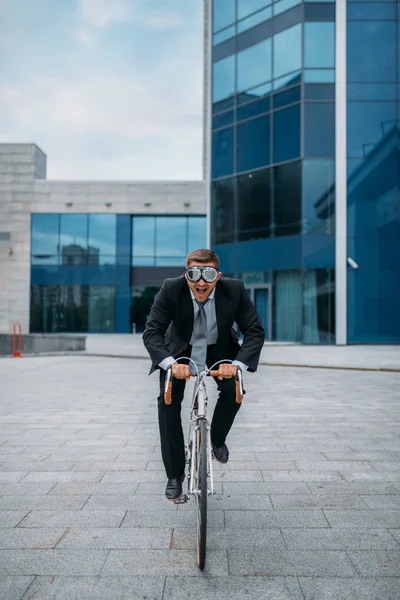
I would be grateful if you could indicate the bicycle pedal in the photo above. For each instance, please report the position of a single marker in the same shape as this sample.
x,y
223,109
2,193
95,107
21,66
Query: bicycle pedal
x,y
182,499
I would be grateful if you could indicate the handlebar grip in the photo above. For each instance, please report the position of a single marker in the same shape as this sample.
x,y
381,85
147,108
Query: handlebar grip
x,y
168,394
239,396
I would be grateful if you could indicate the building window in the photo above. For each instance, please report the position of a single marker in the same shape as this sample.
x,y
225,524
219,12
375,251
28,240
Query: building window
x,y
45,239
254,205
102,246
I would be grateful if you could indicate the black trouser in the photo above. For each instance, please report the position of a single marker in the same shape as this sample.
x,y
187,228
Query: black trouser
x,y
170,423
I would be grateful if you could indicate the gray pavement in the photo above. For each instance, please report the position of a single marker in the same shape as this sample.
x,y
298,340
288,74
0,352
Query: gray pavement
x,y
308,506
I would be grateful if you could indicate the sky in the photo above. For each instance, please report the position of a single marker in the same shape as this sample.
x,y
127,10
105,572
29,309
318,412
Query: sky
x,y
108,89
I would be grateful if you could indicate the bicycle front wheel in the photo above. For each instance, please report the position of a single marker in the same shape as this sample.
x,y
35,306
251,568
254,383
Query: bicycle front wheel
x,y
202,493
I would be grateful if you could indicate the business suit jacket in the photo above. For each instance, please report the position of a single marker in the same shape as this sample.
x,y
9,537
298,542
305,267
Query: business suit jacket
x,y
170,324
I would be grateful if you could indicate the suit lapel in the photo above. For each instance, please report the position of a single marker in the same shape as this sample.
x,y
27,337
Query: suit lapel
x,y
186,312
221,302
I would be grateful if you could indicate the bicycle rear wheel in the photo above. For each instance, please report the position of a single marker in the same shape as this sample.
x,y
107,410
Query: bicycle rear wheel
x,y
202,493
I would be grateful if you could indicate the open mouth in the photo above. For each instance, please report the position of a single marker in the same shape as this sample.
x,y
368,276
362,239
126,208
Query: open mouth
x,y
201,290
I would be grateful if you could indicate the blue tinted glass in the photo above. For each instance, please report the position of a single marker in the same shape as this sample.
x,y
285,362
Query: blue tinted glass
x,y
223,79
371,91
371,51
319,44
102,239
287,51
144,261
287,80
143,237
289,96
197,233
366,125
222,153
254,65
73,239
371,11
222,119
224,35
319,129
254,94
286,133
318,195
319,75
253,109
223,13
44,241
171,236
283,5
171,261
247,7
253,144
287,198
259,17
319,91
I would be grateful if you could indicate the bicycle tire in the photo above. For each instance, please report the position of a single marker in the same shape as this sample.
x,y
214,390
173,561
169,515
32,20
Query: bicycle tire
x,y
202,496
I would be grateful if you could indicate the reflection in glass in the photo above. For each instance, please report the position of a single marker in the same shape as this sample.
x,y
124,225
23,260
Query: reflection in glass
x,y
254,205
371,11
224,35
287,51
253,109
43,314
318,306
371,91
318,195
142,301
223,211
287,80
247,7
73,239
287,199
286,133
223,13
223,79
288,306
171,236
101,309
73,308
371,51
254,65
253,144
222,152
197,233
102,239
260,92
222,119
283,5
319,129
367,125
259,17
143,237
289,96
44,239
319,75
319,45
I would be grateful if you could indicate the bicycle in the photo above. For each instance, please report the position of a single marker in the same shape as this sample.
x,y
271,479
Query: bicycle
x,y
198,450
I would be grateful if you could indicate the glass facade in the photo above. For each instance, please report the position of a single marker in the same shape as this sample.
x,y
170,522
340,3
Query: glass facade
x,y
273,160
83,267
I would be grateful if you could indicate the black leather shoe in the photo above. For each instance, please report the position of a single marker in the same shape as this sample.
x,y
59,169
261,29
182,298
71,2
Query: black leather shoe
x,y
221,454
174,488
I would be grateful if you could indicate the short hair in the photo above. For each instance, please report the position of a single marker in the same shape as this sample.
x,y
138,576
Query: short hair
x,y
203,255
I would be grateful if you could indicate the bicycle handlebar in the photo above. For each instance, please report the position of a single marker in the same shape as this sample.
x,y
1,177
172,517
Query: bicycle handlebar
x,y
238,386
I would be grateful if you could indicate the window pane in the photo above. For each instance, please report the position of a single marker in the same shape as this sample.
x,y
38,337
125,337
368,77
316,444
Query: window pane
x,y
197,233
283,5
223,211
223,79
222,119
289,96
253,144
319,76
319,129
73,239
255,93
224,35
367,125
102,239
259,17
143,237
371,51
254,205
318,306
371,11
318,195
101,308
319,44
223,13
371,91
254,65
319,91
45,239
222,153
247,7
286,136
171,236
253,109
44,310
287,81
287,51
287,199
73,308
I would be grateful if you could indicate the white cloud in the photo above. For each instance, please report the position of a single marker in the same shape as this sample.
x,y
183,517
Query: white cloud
x,y
100,13
85,38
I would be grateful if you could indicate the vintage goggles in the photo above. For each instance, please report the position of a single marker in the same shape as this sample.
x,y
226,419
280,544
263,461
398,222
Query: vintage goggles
x,y
209,274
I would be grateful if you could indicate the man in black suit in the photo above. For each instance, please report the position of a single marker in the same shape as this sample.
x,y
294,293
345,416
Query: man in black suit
x,y
193,315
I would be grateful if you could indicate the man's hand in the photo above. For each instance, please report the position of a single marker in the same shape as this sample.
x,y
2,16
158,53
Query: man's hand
x,y
181,371
226,371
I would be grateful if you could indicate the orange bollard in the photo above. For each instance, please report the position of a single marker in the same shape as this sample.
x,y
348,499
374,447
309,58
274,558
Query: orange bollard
x,y
17,348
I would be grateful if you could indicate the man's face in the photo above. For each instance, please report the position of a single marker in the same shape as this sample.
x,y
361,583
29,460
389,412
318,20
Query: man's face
x,y
202,289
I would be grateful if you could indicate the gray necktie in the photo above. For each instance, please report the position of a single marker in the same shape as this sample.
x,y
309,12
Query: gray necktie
x,y
199,338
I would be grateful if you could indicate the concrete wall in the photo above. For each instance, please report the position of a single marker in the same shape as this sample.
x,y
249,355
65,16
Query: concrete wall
x,y
40,343
23,190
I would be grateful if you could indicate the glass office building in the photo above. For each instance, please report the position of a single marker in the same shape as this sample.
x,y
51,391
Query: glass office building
x,y
100,272
305,163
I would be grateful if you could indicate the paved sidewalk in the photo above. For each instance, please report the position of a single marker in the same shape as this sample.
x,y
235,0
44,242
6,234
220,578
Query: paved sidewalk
x,y
340,357
308,506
